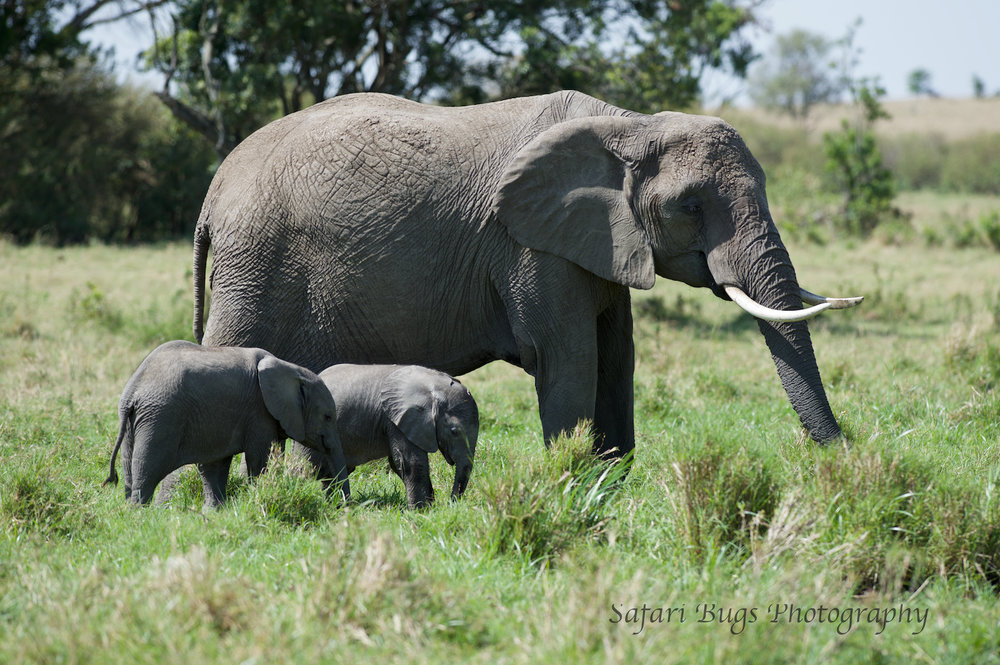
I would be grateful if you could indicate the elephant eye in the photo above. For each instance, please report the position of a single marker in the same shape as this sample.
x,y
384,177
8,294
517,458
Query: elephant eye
x,y
692,207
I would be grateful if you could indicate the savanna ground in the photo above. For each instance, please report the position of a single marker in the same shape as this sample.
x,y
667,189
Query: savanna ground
x,y
728,512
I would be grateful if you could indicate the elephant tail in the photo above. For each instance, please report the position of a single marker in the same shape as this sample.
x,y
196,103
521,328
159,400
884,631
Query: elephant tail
x,y
124,420
202,240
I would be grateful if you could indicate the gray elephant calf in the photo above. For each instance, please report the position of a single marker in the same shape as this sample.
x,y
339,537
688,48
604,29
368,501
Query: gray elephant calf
x,y
402,412
189,404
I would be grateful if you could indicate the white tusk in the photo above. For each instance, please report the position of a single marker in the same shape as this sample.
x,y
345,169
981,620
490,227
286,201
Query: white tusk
x,y
754,308
835,303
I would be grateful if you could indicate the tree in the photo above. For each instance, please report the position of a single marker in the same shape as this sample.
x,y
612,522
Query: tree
x,y
231,66
978,87
657,63
919,83
855,163
798,74
39,33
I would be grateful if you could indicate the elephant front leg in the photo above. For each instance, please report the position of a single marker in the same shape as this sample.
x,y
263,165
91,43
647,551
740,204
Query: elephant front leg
x,y
614,407
566,385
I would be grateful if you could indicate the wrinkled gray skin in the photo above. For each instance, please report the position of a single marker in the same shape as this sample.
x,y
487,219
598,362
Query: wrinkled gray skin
x,y
403,413
371,229
188,404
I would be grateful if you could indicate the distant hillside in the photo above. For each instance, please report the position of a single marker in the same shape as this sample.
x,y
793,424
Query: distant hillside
x,y
948,118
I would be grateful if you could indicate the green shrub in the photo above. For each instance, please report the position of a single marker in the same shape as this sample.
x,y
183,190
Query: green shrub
x,y
86,158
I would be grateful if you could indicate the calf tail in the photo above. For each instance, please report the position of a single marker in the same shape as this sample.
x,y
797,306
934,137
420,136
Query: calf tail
x,y
124,421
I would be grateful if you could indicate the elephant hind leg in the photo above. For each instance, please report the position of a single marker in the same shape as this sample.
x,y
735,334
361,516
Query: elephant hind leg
x,y
149,465
214,476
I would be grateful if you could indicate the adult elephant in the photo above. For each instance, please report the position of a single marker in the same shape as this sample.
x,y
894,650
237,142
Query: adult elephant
x,y
371,229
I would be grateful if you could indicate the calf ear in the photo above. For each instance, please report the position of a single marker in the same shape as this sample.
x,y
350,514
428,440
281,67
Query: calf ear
x,y
285,395
412,406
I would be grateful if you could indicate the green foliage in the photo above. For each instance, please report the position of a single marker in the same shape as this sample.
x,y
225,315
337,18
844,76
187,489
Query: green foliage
x,y
663,63
972,166
978,87
965,232
85,157
33,38
854,163
239,64
918,82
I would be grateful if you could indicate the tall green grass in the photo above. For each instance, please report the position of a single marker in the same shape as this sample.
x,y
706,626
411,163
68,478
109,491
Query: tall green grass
x,y
727,512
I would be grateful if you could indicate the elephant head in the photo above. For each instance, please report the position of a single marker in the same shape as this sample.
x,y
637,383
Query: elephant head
x,y
434,412
628,197
302,405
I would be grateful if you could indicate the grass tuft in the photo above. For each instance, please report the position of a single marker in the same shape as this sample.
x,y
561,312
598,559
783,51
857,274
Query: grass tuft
x,y
43,505
716,496
541,510
287,493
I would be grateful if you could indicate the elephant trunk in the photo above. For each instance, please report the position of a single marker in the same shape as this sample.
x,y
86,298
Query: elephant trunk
x,y
461,457
765,272
462,473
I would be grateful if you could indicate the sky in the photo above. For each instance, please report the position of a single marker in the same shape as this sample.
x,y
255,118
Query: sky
x,y
953,40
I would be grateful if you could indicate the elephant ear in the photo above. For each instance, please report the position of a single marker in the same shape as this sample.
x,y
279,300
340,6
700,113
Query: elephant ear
x,y
568,193
412,406
285,394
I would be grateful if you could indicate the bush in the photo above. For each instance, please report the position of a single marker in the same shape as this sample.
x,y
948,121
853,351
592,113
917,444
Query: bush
x,y
855,165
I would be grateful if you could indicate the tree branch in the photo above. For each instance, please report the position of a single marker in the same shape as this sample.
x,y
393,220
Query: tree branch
x,y
197,121
83,19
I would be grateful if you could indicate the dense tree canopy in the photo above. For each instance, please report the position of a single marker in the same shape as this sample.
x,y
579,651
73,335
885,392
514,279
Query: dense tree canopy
x,y
230,66
85,157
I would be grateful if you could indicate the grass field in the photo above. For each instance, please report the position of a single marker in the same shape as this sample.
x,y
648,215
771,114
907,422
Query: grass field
x,y
732,539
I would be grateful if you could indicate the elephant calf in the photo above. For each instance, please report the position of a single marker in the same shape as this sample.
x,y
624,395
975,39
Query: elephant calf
x,y
402,412
189,404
